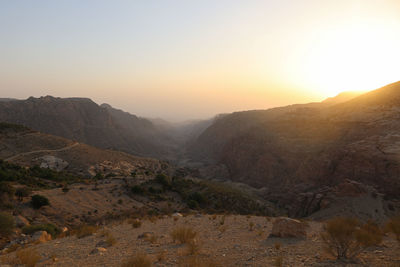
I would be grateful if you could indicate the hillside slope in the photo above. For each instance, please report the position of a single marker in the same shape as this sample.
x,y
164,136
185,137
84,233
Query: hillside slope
x,y
83,120
302,148
26,147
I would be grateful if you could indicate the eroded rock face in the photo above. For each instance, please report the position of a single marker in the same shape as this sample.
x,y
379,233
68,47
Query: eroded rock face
x,y
288,228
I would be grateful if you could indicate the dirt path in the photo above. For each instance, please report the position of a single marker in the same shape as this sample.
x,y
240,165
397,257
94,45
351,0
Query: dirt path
x,y
42,151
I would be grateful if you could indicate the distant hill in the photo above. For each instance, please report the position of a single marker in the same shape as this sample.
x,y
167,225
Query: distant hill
x,y
23,146
83,120
304,148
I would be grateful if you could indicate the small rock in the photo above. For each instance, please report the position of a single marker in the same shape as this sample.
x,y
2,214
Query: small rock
x,y
41,236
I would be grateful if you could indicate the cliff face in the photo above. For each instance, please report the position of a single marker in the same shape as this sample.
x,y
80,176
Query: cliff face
x,y
304,147
83,120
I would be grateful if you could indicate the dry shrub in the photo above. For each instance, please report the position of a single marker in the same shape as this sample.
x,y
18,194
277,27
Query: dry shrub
x,y
183,234
251,226
223,228
277,246
136,223
138,260
195,261
193,247
161,256
394,226
28,257
222,220
86,230
214,216
152,238
153,219
278,262
110,240
345,238
260,233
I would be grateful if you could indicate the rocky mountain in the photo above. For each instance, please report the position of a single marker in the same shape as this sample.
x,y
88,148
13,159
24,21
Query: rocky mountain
x,y
83,120
304,148
26,147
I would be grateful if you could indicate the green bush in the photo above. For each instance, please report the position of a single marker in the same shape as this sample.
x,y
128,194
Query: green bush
x,y
6,189
49,228
39,201
193,204
163,179
7,224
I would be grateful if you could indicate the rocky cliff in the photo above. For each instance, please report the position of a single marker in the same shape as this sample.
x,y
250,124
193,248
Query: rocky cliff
x,y
302,148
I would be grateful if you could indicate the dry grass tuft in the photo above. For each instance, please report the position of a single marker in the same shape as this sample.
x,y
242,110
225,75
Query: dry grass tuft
x,y
138,260
251,226
136,223
222,220
86,230
277,246
162,255
195,261
278,262
28,257
183,235
193,247
394,226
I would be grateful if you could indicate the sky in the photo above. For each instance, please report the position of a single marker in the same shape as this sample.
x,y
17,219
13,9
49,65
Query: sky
x,y
180,60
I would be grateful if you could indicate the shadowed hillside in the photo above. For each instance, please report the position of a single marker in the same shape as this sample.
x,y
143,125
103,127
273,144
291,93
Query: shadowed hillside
x,y
303,148
83,120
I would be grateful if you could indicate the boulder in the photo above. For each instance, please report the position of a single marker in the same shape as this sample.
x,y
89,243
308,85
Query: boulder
x,y
41,236
286,227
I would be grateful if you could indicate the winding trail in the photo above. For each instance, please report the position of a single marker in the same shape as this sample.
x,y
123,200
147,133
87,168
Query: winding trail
x,y
42,151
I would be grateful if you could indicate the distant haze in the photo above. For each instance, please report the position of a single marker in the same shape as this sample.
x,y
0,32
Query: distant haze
x,y
180,60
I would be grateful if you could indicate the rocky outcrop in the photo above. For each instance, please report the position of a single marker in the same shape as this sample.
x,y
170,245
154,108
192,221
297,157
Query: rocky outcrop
x,y
54,163
288,228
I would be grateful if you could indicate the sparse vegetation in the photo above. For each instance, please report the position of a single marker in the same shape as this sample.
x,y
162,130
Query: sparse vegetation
x,y
195,261
346,237
183,235
86,230
7,224
138,260
28,257
22,192
53,230
136,223
394,226
39,201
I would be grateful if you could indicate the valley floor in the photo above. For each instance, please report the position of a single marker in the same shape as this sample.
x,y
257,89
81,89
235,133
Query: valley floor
x,y
229,240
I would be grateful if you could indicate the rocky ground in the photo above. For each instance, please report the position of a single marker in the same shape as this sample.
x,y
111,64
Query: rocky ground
x,y
229,240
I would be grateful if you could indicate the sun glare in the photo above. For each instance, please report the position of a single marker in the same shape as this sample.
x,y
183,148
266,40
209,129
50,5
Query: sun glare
x,y
362,57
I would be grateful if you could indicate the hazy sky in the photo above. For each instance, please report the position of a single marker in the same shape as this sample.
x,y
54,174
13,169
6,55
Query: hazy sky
x,y
193,59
